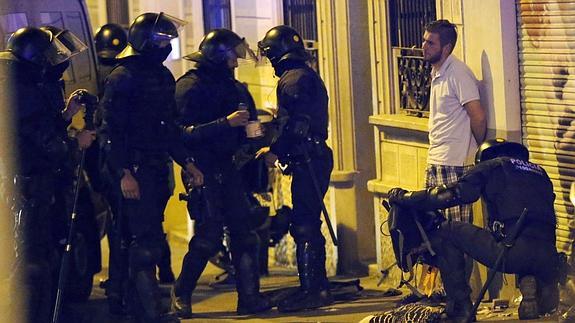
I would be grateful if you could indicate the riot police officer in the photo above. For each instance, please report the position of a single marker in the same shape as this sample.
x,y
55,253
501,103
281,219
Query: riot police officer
x,y
110,40
139,110
41,151
302,96
509,185
208,97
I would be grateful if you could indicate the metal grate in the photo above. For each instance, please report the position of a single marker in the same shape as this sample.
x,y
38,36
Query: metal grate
x,y
301,15
414,81
408,20
217,14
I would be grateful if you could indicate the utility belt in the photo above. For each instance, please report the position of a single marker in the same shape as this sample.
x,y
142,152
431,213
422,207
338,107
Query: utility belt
x,y
500,229
311,147
152,159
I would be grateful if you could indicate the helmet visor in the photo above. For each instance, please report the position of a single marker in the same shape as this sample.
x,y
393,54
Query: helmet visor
x,y
57,53
72,42
243,50
165,29
261,55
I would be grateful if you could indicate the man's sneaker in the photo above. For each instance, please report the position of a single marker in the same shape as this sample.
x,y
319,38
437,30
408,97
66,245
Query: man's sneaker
x,y
528,307
182,306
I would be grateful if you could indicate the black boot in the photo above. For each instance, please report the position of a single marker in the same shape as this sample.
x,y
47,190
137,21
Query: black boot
x,y
193,265
458,311
250,300
547,297
314,286
145,296
528,307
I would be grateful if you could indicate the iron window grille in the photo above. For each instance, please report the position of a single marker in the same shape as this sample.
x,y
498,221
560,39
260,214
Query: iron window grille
x,y
301,15
413,80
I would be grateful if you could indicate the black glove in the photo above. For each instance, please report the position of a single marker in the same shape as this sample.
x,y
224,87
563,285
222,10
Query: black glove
x,y
395,195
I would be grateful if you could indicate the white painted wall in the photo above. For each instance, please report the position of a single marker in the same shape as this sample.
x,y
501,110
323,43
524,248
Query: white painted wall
x,y
491,52
252,19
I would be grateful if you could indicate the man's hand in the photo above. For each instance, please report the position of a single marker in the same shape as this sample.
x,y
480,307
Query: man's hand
x,y
238,118
73,106
85,138
197,176
395,195
129,186
271,159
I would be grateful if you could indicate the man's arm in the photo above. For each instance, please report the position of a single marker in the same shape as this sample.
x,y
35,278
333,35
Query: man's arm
x,y
477,120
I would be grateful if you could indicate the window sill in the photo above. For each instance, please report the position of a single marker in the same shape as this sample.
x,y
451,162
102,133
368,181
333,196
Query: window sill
x,y
399,121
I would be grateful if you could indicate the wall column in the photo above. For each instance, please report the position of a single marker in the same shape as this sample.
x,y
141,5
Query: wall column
x,y
345,67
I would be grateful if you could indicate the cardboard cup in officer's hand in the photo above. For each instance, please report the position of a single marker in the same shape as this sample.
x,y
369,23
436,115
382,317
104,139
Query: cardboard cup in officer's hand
x,y
254,129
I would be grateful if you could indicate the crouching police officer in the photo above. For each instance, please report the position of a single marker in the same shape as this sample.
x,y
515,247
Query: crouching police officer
x,y
509,185
214,108
42,150
302,96
139,108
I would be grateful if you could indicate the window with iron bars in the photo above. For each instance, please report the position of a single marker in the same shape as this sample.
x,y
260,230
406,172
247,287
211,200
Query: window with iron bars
x,y
217,14
412,75
301,15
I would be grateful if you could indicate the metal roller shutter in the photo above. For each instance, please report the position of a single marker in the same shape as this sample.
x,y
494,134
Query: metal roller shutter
x,y
546,38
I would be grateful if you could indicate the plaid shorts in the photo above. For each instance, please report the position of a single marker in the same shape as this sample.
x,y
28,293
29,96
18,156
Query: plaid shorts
x,y
436,175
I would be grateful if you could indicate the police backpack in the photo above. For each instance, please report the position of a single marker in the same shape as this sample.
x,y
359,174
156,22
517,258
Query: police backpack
x,y
408,231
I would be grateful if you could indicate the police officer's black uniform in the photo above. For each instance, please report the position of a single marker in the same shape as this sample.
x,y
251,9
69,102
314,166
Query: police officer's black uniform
x,y
41,150
139,112
301,95
206,95
508,184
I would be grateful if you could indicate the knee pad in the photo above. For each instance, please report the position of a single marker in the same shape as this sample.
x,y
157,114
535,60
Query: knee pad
x,y
304,233
206,248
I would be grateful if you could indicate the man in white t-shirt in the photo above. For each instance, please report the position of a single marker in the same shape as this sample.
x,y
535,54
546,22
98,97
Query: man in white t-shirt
x,y
457,122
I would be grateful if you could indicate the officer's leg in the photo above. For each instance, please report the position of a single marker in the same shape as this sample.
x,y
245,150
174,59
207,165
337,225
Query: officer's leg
x,y
145,222
310,243
165,273
204,244
34,263
451,263
244,249
118,238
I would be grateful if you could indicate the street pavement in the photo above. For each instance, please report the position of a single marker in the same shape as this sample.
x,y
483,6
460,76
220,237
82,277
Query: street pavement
x,y
219,304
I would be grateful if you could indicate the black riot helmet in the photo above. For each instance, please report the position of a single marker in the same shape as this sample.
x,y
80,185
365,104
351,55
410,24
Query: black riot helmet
x,y
110,40
281,43
151,32
40,46
219,45
499,147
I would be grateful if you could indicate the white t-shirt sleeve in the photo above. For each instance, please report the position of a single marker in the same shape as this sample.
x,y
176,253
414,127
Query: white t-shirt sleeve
x,y
465,86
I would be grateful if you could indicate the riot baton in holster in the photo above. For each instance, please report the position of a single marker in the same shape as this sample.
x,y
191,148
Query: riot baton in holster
x,y
507,244
318,193
90,102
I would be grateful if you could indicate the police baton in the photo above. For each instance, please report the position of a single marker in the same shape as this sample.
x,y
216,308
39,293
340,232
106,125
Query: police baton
x,y
90,102
319,195
507,244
